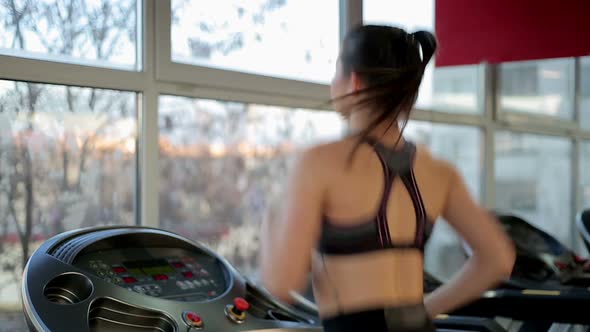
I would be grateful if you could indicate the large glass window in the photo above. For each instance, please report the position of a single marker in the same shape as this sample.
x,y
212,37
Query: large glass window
x,y
532,180
447,89
462,146
67,160
91,32
456,89
221,163
415,15
585,93
295,39
538,87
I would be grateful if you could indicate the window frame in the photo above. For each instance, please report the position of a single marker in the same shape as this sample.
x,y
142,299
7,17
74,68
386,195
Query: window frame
x,y
295,92
160,76
13,57
540,121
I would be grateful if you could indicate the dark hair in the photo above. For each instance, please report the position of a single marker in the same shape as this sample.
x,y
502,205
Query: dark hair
x,y
388,61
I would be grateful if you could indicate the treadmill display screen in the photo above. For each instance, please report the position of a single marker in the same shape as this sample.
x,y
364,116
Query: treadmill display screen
x,y
171,273
149,267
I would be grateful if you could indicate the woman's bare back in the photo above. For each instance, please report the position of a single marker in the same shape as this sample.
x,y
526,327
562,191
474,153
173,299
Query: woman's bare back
x,y
353,195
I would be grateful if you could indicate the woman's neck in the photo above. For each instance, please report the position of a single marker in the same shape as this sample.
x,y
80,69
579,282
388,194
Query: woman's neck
x,y
386,132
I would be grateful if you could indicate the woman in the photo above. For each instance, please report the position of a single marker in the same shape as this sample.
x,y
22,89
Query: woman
x,y
358,211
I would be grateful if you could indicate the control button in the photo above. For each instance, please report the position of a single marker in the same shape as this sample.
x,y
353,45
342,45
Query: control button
x,y
129,280
241,305
205,282
192,320
212,293
101,274
139,289
197,283
117,280
119,269
237,312
212,281
188,274
189,284
160,277
181,285
103,266
178,265
204,272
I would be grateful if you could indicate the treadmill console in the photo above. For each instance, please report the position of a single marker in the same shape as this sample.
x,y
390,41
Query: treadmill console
x,y
169,273
143,279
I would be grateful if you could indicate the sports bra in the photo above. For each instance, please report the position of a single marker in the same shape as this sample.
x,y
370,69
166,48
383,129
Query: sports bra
x,y
374,234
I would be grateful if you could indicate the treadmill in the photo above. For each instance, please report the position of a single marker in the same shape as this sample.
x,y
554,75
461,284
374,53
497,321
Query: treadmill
x,y
549,283
546,287
140,279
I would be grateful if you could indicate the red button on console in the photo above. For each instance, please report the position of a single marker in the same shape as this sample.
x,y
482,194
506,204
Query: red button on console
x,y
160,277
241,304
119,269
177,265
188,274
129,280
192,320
193,317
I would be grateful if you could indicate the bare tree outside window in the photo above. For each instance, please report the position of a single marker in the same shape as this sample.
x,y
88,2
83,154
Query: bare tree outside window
x,y
67,154
102,33
222,163
281,38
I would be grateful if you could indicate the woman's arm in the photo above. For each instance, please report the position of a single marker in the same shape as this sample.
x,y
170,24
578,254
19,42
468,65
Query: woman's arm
x,y
493,252
290,233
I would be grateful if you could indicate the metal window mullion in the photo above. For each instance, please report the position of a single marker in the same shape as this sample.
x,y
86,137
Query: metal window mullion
x,y
148,135
576,201
351,15
48,72
447,118
248,97
577,89
576,153
490,94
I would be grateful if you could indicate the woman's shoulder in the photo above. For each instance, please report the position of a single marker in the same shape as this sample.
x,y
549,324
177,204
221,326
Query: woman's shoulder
x,y
425,158
326,153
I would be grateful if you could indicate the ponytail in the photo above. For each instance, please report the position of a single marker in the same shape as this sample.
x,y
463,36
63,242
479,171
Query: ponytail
x,y
428,44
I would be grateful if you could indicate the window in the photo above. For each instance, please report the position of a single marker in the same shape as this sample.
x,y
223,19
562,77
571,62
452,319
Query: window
x,y
585,93
456,89
447,89
417,15
295,39
221,163
461,145
538,87
530,173
90,32
67,160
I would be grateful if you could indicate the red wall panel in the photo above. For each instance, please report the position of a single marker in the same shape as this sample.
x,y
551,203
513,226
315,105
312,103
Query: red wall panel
x,y
475,31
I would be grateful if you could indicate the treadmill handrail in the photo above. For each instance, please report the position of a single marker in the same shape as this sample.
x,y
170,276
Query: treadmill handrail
x,y
564,306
